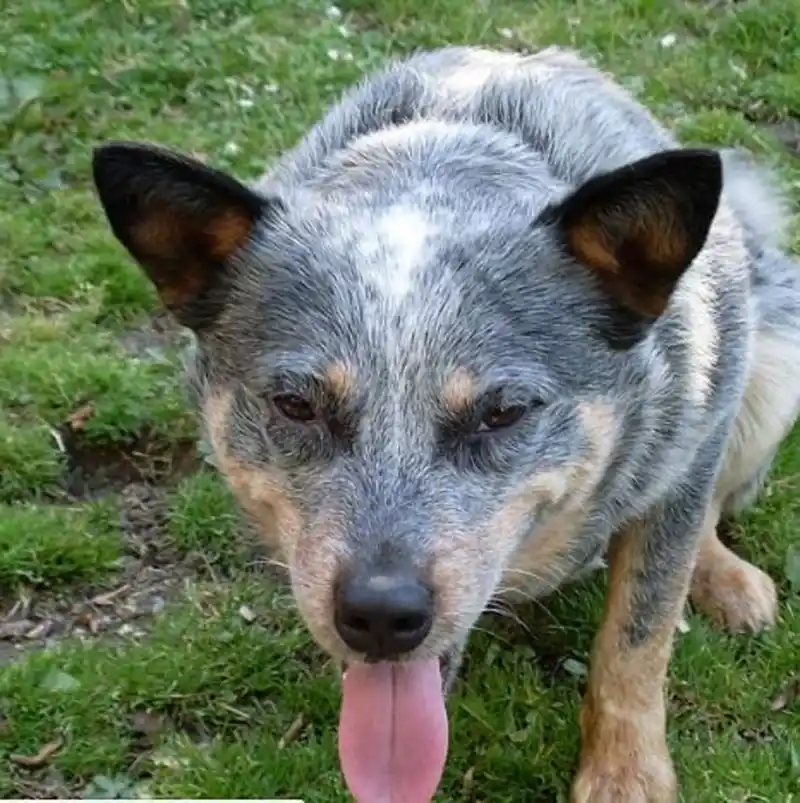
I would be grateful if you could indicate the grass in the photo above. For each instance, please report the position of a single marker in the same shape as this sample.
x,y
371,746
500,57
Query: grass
x,y
209,703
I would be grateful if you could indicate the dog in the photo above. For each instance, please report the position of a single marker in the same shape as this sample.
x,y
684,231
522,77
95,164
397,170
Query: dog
x,y
487,322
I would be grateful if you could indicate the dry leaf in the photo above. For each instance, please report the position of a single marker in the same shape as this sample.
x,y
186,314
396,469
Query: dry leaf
x,y
15,629
575,668
77,419
40,631
108,597
789,695
292,733
148,723
40,758
248,614
468,781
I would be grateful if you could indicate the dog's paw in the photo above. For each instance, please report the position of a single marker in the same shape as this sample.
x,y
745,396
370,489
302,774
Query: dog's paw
x,y
734,594
624,757
641,780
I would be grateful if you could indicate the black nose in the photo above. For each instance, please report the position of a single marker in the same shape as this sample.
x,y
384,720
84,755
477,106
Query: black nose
x,y
382,615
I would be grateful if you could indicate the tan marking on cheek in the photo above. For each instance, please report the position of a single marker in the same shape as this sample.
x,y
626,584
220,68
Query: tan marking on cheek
x,y
464,562
538,564
314,551
543,561
459,391
319,554
216,415
601,426
341,379
262,493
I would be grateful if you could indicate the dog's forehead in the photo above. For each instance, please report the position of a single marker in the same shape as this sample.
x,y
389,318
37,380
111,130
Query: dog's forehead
x,y
394,250
400,284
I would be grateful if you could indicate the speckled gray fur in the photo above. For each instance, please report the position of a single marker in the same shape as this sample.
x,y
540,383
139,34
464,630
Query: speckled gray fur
x,y
466,148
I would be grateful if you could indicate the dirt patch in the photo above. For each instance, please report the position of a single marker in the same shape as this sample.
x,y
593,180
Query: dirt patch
x,y
93,469
152,573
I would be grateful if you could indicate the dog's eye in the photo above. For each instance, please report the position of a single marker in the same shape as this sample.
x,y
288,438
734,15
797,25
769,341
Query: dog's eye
x,y
295,408
501,417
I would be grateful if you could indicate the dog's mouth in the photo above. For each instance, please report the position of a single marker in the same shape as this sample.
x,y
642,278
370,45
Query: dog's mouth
x,y
393,728
447,662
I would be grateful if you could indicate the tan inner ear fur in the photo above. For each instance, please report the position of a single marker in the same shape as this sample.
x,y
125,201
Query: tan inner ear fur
x,y
637,253
188,248
227,233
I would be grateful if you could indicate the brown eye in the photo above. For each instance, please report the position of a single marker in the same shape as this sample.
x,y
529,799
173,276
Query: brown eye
x,y
295,408
501,417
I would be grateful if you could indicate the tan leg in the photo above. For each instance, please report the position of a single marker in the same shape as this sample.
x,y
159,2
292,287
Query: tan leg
x,y
624,754
732,592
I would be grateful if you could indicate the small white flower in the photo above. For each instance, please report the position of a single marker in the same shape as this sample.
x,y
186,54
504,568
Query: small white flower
x,y
231,149
271,88
739,70
344,31
668,40
246,103
333,12
506,33
333,54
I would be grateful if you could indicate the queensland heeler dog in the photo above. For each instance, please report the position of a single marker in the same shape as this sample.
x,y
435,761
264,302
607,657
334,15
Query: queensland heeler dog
x,y
485,323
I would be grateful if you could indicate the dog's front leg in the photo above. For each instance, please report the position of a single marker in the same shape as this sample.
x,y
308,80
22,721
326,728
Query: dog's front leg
x,y
624,754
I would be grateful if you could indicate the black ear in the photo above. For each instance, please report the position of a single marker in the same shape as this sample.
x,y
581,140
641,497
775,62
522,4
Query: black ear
x,y
639,228
178,218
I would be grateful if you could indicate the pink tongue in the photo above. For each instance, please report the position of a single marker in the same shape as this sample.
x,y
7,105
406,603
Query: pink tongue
x,y
393,731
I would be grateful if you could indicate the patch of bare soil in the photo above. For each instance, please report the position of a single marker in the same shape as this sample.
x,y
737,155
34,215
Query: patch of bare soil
x,y
138,472
94,469
97,468
152,573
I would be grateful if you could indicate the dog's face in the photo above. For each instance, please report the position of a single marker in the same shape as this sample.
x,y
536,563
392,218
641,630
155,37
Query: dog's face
x,y
405,378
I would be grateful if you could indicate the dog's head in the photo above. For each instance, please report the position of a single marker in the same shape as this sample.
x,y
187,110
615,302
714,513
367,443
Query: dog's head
x,y
408,365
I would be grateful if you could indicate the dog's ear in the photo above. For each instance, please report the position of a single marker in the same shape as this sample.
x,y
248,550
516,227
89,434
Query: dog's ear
x,y
179,219
638,228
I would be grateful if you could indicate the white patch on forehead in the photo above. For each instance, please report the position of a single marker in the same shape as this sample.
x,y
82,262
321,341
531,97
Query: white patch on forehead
x,y
396,246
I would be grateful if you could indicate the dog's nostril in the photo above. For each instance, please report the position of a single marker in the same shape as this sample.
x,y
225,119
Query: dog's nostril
x,y
358,623
408,624
383,616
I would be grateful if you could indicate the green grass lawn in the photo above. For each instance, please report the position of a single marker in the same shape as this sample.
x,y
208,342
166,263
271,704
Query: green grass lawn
x,y
175,665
